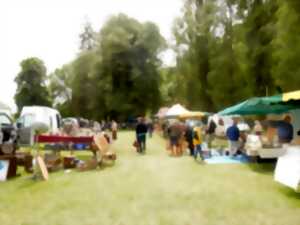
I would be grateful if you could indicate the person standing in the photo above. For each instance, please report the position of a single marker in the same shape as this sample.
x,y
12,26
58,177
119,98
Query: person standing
x,y
233,135
175,133
189,138
150,128
258,129
285,130
197,141
220,129
210,132
114,130
141,133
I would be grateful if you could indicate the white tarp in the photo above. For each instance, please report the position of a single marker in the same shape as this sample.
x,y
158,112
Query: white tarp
x,y
176,110
287,170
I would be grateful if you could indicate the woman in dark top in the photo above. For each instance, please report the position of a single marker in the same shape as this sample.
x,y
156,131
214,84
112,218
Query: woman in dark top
x,y
141,133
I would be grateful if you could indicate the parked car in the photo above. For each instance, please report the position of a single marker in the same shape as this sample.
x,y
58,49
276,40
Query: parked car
x,y
31,115
70,120
8,135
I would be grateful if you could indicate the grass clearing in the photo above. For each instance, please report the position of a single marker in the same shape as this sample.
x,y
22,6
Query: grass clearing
x,y
151,189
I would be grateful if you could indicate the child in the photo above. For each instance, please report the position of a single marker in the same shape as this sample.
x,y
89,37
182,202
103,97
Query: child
x,y
197,141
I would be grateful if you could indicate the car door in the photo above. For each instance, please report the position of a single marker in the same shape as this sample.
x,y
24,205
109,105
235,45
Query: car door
x,y
25,131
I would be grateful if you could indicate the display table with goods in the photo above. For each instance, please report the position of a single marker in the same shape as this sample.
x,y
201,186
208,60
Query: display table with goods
x,y
256,148
287,170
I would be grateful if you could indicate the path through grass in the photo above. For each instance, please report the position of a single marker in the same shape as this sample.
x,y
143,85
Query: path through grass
x,y
151,189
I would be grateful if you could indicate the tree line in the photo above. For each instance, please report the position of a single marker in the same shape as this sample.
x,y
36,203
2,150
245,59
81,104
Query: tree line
x,y
227,51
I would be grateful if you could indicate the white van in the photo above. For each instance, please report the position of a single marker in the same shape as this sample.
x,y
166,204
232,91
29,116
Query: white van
x,y
40,114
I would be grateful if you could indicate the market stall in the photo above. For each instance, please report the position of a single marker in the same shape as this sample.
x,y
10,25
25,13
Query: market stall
x,y
288,167
266,147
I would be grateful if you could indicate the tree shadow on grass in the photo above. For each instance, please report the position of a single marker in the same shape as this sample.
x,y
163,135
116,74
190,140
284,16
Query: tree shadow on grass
x,y
289,192
264,168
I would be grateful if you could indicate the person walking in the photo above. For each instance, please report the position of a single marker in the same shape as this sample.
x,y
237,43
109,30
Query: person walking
x,y
141,133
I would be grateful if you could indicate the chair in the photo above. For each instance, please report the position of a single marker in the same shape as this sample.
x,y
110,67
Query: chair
x,y
104,153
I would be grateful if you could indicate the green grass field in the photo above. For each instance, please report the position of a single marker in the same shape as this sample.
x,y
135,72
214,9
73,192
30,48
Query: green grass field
x,y
151,189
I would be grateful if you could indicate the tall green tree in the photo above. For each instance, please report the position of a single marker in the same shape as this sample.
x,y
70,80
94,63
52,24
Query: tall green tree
x,y
61,90
259,25
226,76
168,87
286,54
87,37
127,73
31,84
83,87
195,36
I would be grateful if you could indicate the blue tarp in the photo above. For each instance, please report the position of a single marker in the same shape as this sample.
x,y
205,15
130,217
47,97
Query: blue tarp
x,y
227,159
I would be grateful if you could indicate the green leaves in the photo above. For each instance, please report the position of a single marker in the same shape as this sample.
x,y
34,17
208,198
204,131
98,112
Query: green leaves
x,y
31,86
118,77
230,50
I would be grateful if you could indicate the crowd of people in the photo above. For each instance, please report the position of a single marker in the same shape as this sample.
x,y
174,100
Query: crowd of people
x,y
182,135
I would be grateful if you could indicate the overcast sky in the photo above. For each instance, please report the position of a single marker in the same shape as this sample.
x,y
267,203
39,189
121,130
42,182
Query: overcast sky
x,y
49,29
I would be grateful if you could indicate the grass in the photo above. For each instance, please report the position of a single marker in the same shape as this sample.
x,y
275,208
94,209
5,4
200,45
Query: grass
x,y
151,189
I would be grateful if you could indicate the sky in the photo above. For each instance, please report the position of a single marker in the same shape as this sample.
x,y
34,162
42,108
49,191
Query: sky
x,y
49,29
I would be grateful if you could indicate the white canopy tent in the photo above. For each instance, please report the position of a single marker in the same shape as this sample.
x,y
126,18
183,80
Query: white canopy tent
x,y
176,111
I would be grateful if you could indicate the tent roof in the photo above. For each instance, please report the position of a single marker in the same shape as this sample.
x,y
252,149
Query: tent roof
x,y
263,105
176,110
294,95
192,114
162,112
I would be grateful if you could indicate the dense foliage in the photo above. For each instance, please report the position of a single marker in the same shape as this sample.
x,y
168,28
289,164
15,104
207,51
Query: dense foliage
x,y
31,84
116,75
227,51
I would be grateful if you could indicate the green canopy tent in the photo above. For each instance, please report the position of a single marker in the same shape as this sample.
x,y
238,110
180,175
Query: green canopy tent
x,y
276,104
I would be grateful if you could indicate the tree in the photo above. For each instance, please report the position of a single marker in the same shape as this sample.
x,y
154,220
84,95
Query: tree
x,y
225,59
259,26
127,74
84,89
168,86
225,51
195,34
31,84
87,37
286,71
61,90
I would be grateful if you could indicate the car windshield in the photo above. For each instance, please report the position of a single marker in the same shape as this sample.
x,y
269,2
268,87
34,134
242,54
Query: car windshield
x,y
28,120
4,120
